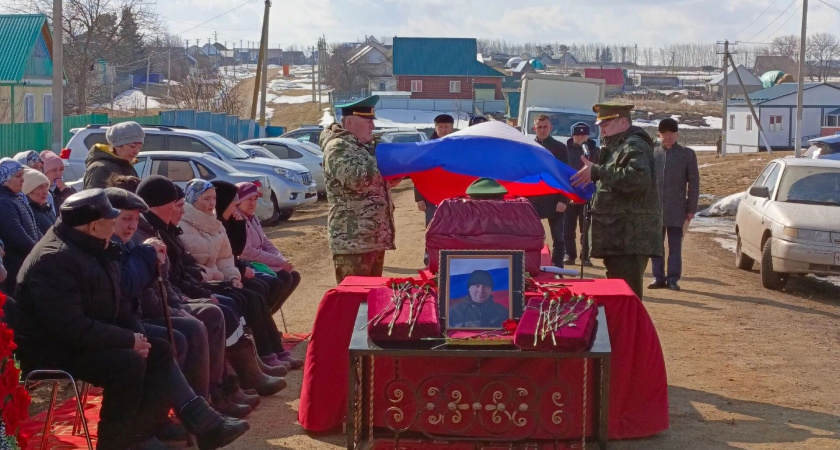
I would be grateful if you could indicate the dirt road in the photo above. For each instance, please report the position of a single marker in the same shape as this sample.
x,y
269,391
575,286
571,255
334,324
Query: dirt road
x,y
747,368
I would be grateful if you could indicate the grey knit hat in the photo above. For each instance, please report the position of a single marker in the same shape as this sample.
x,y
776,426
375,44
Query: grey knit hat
x,y
124,133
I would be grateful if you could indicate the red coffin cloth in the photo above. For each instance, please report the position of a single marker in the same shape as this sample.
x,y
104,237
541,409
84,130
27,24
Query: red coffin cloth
x,y
426,325
566,338
638,388
464,224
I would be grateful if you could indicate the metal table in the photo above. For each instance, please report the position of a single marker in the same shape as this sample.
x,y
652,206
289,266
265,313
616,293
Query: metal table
x,y
360,399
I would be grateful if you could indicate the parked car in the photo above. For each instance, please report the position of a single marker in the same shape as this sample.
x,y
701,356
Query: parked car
x,y
827,147
306,133
399,137
294,151
181,167
291,184
789,220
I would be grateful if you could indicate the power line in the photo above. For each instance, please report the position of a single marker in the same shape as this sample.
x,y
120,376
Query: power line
x,y
829,5
773,21
754,20
217,16
783,24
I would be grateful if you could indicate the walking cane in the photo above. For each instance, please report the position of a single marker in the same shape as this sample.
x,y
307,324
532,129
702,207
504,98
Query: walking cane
x,y
166,315
585,232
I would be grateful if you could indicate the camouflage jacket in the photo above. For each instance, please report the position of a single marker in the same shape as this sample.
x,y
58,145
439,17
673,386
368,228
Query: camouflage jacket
x,y
626,217
360,217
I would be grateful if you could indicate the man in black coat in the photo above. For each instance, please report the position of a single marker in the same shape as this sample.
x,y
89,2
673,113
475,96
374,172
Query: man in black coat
x,y
69,317
443,127
578,145
552,206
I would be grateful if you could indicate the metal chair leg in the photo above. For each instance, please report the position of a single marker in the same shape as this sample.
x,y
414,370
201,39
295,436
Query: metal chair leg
x,y
80,412
48,421
58,377
283,317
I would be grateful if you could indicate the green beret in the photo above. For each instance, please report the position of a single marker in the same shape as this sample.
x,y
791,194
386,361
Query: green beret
x,y
486,188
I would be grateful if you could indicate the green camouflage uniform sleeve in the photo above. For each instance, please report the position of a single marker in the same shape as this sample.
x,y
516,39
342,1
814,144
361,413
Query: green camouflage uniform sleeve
x,y
633,171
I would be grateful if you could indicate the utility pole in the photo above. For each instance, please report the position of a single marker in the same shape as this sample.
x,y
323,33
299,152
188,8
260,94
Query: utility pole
x,y
168,69
146,91
258,79
313,75
725,97
749,103
57,80
215,36
797,138
264,86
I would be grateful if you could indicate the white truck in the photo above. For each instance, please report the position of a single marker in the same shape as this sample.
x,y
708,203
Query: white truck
x,y
565,100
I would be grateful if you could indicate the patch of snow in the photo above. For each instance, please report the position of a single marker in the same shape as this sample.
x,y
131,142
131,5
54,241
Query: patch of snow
x,y
704,148
131,100
291,99
709,196
409,118
726,243
726,206
714,122
833,280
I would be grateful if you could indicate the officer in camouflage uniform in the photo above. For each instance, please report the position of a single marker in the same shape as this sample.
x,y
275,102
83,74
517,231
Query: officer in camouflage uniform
x,y
360,222
625,213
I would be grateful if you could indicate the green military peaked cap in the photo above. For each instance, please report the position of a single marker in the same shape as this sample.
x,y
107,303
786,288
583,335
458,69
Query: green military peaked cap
x,y
484,188
362,108
612,110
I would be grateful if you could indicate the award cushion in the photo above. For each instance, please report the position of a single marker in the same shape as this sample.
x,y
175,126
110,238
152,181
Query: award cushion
x,y
381,312
576,338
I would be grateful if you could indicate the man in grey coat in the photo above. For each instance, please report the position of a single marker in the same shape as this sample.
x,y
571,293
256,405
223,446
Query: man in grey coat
x,y
678,182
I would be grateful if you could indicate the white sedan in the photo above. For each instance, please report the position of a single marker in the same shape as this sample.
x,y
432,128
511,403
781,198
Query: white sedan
x,y
789,221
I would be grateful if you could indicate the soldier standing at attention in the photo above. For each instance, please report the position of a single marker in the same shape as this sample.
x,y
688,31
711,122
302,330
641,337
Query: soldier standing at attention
x,y
626,217
360,222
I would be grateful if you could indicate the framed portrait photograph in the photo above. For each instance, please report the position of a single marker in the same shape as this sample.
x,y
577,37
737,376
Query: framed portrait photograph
x,y
480,289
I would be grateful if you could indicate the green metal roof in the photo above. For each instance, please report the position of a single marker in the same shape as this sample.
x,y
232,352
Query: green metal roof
x,y
18,34
439,57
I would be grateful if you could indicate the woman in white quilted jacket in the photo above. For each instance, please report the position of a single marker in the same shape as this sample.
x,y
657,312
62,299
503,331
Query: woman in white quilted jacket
x,y
206,240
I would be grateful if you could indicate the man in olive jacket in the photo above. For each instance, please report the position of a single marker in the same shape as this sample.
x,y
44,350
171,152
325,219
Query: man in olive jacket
x,y
678,183
626,217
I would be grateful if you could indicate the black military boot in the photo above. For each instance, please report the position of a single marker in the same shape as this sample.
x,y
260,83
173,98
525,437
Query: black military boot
x,y
212,429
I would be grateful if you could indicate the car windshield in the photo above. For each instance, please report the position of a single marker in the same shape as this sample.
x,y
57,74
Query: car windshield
x,y
311,148
561,123
226,147
812,185
399,138
221,165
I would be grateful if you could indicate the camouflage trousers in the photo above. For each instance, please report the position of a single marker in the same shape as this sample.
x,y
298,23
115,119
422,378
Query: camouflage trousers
x,y
630,268
361,264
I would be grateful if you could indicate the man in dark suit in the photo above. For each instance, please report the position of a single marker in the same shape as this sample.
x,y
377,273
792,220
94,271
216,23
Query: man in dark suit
x,y
552,206
579,145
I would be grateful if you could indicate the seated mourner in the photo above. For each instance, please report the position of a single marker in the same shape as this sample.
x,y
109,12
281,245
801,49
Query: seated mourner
x,y
69,318
17,223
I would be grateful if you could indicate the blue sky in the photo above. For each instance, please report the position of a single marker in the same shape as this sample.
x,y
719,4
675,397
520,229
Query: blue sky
x,y
645,22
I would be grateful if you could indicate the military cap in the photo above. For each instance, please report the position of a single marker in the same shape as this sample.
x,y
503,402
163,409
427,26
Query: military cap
x,y
444,118
612,110
125,200
580,128
362,108
480,277
87,206
486,188
669,124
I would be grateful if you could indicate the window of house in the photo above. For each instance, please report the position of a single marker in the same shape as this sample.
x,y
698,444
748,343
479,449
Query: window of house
x,y
749,123
776,123
382,86
454,86
29,108
47,100
832,121
416,85
732,121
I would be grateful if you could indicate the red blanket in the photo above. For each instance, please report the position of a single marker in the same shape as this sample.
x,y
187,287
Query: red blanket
x,y
638,388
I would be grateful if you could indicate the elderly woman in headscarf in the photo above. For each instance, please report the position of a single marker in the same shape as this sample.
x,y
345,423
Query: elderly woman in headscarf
x,y
36,187
17,223
31,159
206,240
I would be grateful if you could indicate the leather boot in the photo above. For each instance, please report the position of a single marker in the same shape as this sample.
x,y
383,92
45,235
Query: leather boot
x,y
225,405
244,362
212,429
274,371
231,390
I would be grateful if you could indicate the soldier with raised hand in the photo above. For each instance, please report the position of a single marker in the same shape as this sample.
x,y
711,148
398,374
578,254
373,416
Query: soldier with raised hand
x,y
626,225
360,222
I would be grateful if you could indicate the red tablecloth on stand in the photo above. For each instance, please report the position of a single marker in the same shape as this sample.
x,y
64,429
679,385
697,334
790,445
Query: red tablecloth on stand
x,y
638,388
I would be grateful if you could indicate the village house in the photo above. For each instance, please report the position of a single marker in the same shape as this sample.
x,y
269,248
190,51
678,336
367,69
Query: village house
x,y
751,82
25,69
377,62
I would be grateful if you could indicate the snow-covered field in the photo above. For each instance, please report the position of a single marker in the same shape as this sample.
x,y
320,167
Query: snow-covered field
x,y
131,100
714,123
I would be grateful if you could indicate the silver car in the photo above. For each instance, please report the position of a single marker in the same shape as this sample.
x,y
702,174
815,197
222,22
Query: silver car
x,y
181,167
789,220
304,153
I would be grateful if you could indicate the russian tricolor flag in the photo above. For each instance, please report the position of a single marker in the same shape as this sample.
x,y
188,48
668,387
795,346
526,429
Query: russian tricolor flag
x,y
460,269
444,168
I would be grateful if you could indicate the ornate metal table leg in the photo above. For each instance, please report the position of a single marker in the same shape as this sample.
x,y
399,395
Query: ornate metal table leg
x,y
603,379
370,401
354,402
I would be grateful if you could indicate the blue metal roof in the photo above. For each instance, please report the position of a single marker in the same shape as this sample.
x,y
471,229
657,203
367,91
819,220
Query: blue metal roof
x,y
439,57
772,93
18,34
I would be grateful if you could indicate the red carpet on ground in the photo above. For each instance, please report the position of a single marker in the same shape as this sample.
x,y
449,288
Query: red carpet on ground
x,y
61,434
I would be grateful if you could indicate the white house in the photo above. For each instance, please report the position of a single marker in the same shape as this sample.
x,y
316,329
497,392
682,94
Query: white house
x,y
751,82
776,109
377,58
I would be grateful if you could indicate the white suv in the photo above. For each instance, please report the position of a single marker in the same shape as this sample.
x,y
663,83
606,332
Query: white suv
x,y
291,183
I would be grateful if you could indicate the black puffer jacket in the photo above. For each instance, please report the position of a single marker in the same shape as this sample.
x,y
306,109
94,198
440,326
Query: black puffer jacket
x,y
101,163
68,295
18,231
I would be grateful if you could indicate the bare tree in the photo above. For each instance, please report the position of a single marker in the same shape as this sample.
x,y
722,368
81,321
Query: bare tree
x,y
208,90
344,75
822,49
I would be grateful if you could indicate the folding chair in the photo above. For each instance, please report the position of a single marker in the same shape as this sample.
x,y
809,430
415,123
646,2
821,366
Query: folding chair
x,y
38,377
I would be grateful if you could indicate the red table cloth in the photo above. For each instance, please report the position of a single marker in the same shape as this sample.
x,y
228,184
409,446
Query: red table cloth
x,y
638,385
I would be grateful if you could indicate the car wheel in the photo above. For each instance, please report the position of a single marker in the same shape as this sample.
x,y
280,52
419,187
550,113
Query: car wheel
x,y
285,214
742,261
275,213
769,278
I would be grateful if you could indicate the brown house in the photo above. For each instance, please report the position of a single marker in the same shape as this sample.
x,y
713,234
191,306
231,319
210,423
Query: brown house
x,y
442,68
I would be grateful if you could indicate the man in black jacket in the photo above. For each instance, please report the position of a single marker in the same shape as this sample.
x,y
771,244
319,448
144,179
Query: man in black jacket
x,y
578,145
443,127
552,206
70,318
678,185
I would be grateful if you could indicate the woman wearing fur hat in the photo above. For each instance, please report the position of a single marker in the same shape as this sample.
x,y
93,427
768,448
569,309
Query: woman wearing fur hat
x,y
17,223
118,157
36,187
